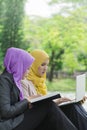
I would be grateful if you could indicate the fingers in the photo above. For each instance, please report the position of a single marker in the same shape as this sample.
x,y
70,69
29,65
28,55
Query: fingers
x,y
30,105
84,99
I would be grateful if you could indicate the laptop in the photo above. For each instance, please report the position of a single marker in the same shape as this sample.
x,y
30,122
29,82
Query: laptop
x,y
80,90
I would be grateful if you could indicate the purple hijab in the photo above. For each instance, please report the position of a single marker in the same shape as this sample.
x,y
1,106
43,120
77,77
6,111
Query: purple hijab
x,y
16,62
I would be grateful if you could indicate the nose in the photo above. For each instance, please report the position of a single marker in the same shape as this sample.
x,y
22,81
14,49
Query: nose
x,y
45,68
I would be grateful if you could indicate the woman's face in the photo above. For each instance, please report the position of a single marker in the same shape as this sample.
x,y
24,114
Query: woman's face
x,y
43,68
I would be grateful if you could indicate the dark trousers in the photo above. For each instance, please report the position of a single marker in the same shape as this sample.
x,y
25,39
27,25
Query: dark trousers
x,y
45,116
77,114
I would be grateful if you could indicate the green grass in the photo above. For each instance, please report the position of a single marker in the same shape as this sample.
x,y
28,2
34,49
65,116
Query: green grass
x,y
62,85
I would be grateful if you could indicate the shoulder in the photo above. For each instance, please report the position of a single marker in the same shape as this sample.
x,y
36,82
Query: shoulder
x,y
6,77
26,82
28,86
6,81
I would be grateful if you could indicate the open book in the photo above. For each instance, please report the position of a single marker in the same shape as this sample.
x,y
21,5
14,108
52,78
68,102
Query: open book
x,y
49,96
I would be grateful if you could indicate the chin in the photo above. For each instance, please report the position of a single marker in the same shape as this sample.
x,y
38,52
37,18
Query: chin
x,y
41,75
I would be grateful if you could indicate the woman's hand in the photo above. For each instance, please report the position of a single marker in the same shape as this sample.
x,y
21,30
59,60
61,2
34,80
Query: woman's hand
x,y
83,100
32,97
61,100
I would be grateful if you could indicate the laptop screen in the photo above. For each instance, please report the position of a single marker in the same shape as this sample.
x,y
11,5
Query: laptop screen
x,y
80,86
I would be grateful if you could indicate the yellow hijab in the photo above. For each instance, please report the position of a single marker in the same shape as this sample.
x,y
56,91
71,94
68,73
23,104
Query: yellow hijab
x,y
39,81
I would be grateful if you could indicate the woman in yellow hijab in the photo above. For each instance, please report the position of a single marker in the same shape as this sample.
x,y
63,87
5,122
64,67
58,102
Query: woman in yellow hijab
x,y
38,70
34,82
35,85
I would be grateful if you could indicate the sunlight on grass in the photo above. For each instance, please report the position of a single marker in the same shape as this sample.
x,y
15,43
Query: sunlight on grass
x,y
63,85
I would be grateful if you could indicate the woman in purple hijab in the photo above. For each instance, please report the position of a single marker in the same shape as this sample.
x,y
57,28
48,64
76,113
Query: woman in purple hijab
x,y
16,62
15,113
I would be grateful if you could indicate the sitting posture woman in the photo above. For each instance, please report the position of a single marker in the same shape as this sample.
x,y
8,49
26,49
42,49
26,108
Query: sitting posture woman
x,y
34,84
15,111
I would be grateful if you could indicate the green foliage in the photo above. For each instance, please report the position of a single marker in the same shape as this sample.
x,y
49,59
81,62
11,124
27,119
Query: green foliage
x,y
72,1
12,24
1,60
63,37
61,85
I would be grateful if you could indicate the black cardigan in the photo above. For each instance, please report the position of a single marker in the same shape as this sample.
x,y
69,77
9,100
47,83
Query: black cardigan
x,y
11,108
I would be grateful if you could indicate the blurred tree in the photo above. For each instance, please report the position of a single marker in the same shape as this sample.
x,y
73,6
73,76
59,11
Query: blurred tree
x,y
62,37
12,34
